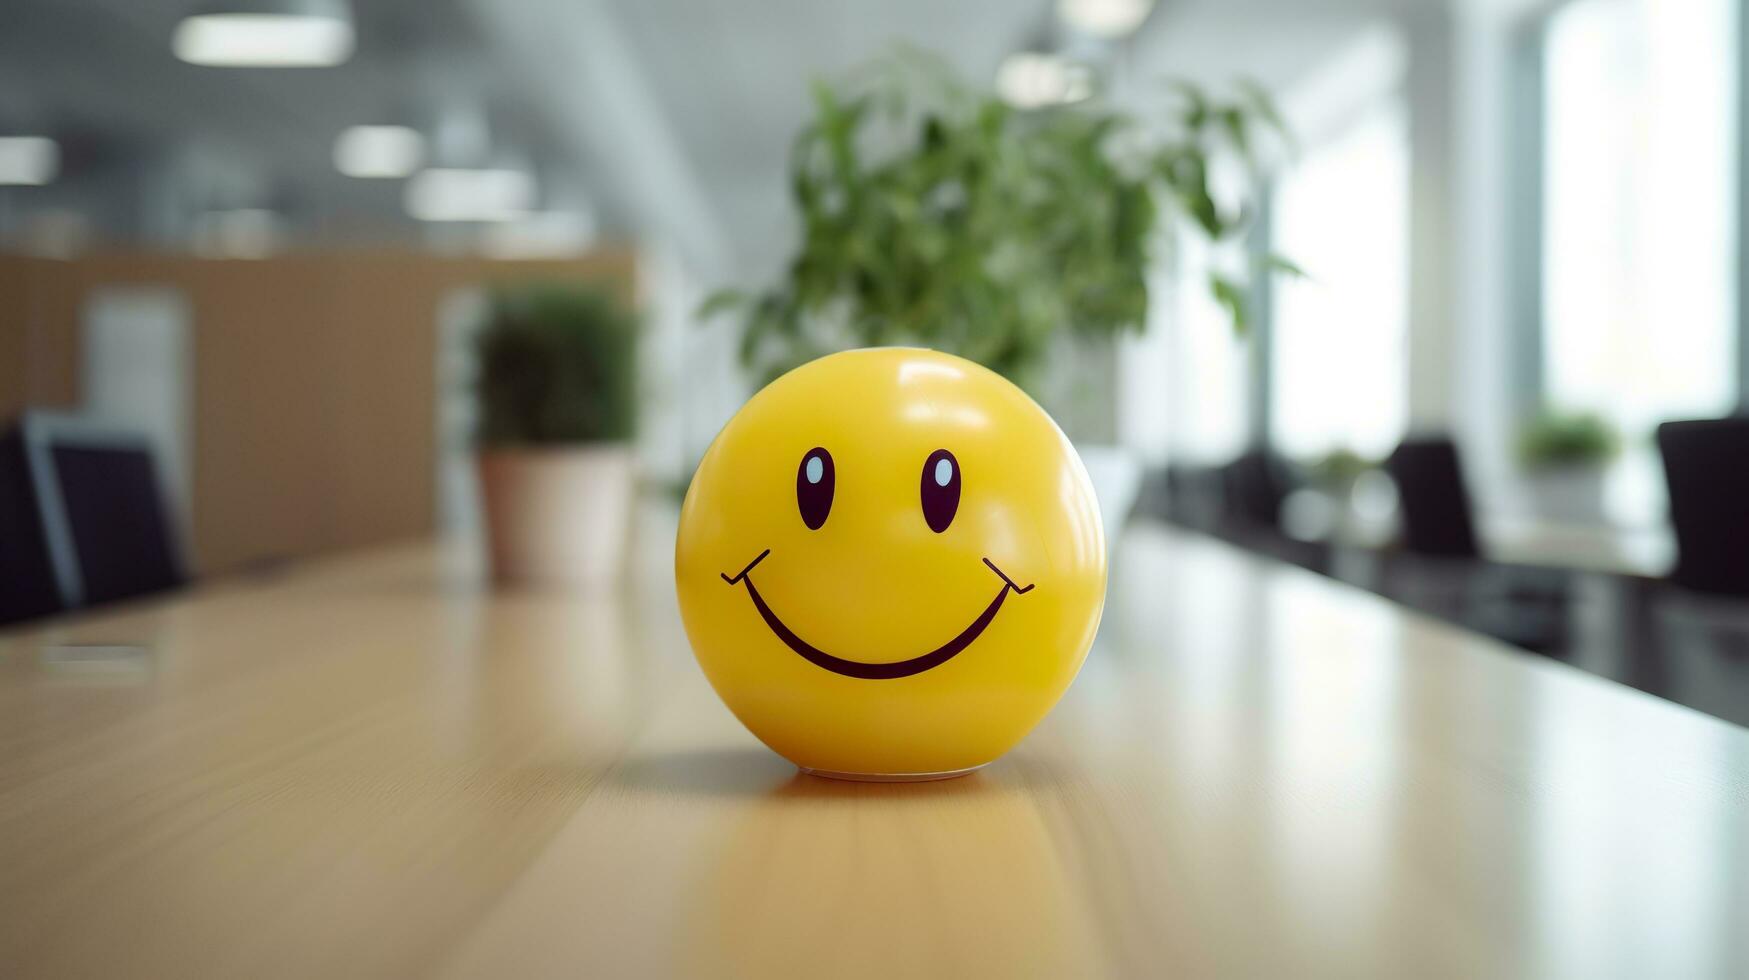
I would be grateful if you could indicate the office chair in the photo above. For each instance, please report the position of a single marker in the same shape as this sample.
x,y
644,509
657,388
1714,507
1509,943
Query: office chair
x,y
99,509
1448,575
30,585
1191,497
1706,467
1433,499
1255,486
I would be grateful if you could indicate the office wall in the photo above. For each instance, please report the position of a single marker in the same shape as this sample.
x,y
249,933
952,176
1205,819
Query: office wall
x,y
314,376
37,359
14,338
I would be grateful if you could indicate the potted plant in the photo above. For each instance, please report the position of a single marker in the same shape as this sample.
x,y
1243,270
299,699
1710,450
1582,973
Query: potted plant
x,y
1338,470
936,215
1341,477
1564,455
557,404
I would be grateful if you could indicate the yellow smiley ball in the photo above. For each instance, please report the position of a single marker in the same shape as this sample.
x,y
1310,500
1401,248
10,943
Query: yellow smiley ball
x,y
890,564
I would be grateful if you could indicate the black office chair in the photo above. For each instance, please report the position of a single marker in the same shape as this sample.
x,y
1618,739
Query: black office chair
x,y
1433,499
30,585
1448,575
1192,498
99,509
1706,467
1255,485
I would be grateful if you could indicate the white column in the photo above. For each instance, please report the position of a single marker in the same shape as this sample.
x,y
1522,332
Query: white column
x,y
1461,373
1431,93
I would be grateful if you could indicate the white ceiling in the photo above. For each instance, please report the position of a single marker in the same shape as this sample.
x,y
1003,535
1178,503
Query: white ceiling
x,y
100,76
675,114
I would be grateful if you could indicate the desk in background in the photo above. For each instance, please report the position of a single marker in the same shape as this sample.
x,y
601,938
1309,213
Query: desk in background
x,y
373,767
1645,552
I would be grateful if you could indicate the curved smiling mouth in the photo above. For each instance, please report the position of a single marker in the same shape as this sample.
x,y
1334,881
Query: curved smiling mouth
x,y
856,668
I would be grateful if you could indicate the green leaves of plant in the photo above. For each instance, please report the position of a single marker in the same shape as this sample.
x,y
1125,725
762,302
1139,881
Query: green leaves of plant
x,y
722,301
934,215
1554,439
1230,293
557,365
1260,105
1278,263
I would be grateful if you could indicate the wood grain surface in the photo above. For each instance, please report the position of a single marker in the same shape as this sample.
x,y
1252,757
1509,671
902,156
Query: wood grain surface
x,y
374,767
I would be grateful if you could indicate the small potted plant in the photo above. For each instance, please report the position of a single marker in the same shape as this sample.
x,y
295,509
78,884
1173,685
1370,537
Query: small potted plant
x,y
1343,477
1336,471
1564,456
557,404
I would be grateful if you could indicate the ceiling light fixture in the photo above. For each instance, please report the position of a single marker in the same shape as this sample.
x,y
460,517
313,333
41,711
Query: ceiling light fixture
x,y
540,235
28,159
458,194
378,151
237,233
1035,79
1104,19
267,34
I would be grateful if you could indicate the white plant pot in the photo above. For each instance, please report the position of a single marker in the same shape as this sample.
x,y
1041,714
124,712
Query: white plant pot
x,y
1116,475
1568,494
557,517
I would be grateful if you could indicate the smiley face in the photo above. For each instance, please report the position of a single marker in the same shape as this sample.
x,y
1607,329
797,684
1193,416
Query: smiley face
x,y
890,564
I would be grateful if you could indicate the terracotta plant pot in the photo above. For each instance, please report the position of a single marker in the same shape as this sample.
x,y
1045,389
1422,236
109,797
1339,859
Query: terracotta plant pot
x,y
557,517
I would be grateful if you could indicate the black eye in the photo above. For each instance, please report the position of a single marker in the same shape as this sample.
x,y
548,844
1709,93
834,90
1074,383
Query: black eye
x,y
814,487
941,489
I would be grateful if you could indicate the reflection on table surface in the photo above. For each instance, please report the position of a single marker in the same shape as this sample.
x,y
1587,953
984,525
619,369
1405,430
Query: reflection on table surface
x,y
372,766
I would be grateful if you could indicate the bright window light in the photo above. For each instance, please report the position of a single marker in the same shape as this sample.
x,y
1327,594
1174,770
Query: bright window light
x,y
1639,213
28,159
1209,415
1339,357
264,40
1104,18
378,151
1032,79
453,194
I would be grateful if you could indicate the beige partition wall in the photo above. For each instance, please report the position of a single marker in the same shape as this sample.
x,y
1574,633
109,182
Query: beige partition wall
x,y
314,382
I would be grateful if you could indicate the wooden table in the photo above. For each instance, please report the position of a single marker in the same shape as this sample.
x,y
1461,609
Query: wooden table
x,y
373,767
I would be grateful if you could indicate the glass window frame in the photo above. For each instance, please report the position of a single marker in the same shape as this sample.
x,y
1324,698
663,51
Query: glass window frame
x,y
1527,238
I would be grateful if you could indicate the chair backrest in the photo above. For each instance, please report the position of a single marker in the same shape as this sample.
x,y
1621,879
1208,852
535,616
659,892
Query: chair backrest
x,y
1433,499
30,585
103,511
1255,488
1706,466
1193,494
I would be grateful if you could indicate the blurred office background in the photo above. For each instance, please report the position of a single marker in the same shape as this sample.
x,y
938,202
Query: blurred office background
x,y
1521,225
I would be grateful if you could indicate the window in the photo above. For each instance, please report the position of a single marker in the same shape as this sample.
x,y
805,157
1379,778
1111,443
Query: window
x,y
1639,215
1208,414
1339,368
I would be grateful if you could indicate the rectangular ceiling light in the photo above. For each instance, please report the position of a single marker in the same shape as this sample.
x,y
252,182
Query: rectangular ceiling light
x,y
450,194
263,40
28,159
540,235
378,151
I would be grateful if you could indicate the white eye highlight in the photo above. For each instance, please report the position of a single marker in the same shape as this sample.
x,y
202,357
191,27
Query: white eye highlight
x,y
943,472
816,469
